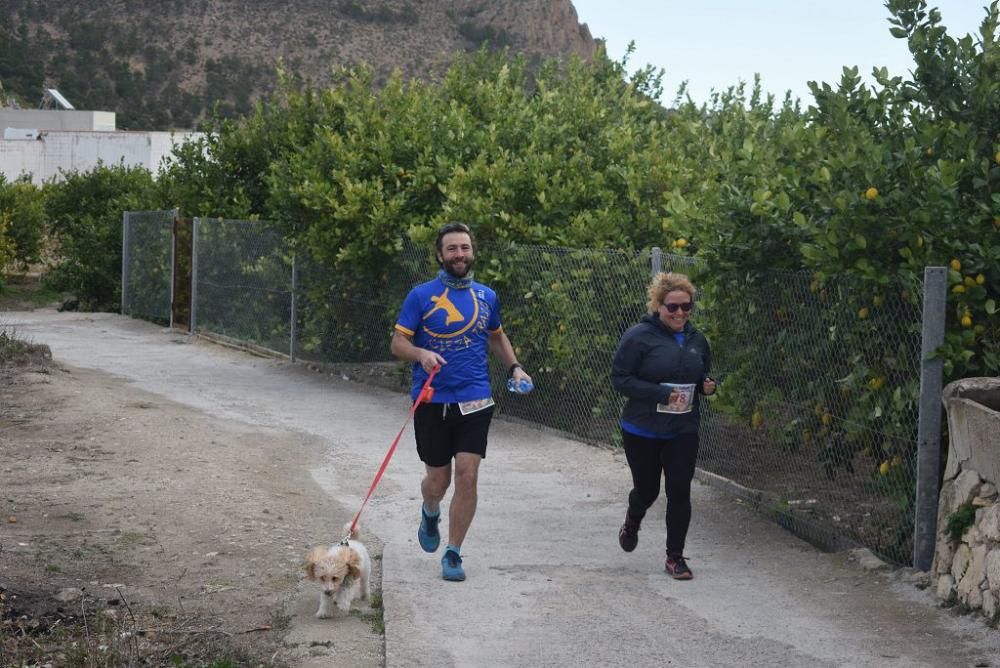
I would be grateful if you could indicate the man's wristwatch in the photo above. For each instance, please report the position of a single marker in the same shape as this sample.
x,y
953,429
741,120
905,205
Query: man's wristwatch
x,y
510,371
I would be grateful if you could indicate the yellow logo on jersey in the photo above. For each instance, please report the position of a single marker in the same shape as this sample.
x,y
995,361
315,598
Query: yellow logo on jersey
x,y
442,302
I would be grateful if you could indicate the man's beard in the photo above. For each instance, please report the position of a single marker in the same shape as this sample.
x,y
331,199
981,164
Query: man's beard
x,y
450,268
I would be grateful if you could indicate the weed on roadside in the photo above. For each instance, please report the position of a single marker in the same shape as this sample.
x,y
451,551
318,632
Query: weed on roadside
x,y
90,633
375,618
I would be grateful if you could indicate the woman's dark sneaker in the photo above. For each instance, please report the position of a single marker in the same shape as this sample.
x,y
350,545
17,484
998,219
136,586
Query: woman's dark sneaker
x,y
628,535
677,568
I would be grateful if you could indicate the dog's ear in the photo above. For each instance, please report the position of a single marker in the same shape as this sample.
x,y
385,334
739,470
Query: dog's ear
x,y
312,558
354,564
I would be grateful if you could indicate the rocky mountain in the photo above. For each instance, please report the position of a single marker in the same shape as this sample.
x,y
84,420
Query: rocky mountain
x,y
166,64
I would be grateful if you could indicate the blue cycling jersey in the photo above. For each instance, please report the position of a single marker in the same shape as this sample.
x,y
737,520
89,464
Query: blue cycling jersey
x,y
456,324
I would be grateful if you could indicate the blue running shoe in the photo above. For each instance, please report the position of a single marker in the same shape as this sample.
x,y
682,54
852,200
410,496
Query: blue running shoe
x,y
428,534
451,566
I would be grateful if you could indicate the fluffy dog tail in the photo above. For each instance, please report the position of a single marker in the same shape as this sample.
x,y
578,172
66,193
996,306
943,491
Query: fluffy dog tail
x,y
352,534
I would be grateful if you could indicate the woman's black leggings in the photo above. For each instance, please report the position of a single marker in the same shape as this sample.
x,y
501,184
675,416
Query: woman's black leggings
x,y
674,459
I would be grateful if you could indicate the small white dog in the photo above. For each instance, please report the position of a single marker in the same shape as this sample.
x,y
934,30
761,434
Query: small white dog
x,y
344,572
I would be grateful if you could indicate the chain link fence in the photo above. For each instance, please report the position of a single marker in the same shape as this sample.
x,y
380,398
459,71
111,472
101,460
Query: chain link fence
x,y
242,283
818,407
147,264
816,415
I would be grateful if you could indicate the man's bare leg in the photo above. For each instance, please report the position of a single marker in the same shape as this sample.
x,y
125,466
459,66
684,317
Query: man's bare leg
x,y
434,486
464,500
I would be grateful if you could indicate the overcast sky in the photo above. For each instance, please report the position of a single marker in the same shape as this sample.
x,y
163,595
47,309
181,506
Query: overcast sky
x,y
713,44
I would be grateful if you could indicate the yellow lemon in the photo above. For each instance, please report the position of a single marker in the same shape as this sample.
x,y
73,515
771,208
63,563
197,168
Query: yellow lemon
x,y
997,157
980,279
955,264
884,468
979,329
814,286
862,313
920,241
958,289
897,460
969,282
877,300
966,320
681,243
871,193
756,420
826,419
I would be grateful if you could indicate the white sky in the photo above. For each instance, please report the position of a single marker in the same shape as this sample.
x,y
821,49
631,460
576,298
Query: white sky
x,y
714,44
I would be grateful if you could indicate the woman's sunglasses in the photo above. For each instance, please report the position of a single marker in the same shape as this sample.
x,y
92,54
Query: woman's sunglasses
x,y
672,308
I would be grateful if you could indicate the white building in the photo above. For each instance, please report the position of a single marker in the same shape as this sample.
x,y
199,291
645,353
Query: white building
x,y
45,142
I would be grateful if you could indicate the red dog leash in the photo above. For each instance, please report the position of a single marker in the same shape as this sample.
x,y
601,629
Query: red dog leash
x,y
426,393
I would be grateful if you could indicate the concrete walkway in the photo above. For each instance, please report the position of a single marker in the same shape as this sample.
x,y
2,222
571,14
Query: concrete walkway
x,y
547,583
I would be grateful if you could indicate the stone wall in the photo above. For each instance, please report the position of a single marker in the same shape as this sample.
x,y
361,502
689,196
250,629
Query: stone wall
x,y
967,570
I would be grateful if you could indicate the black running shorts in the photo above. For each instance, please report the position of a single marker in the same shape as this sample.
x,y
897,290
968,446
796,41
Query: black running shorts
x,y
442,431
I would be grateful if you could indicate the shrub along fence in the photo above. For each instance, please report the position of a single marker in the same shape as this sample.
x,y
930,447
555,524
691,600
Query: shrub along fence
x,y
816,418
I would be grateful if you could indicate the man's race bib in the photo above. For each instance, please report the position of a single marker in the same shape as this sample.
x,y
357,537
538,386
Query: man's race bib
x,y
467,407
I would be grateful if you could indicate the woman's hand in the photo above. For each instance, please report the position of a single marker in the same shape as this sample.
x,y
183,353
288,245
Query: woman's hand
x,y
708,385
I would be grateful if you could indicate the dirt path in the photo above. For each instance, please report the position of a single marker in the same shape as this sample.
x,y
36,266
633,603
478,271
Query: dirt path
x,y
124,512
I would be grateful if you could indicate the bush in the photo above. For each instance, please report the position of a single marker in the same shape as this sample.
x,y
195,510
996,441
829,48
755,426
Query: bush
x,y
22,206
85,211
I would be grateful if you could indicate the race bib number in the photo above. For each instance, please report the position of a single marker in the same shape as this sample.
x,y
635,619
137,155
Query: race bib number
x,y
681,399
466,407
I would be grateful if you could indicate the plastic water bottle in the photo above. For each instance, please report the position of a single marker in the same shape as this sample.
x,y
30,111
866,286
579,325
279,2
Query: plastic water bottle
x,y
522,387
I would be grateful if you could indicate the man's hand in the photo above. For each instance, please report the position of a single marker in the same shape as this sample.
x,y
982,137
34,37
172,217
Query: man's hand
x,y
429,359
520,375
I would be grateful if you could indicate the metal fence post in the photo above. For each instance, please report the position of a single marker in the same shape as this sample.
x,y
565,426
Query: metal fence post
x,y
173,261
929,420
194,274
124,262
295,281
656,257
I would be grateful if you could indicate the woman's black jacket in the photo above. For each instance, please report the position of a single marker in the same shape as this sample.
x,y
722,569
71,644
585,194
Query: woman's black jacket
x,y
647,355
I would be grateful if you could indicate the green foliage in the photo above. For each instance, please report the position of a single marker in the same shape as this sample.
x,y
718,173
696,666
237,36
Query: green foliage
x,y
85,213
960,520
22,222
7,248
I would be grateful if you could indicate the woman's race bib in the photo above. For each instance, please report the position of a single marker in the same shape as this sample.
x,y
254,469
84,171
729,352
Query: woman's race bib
x,y
681,398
